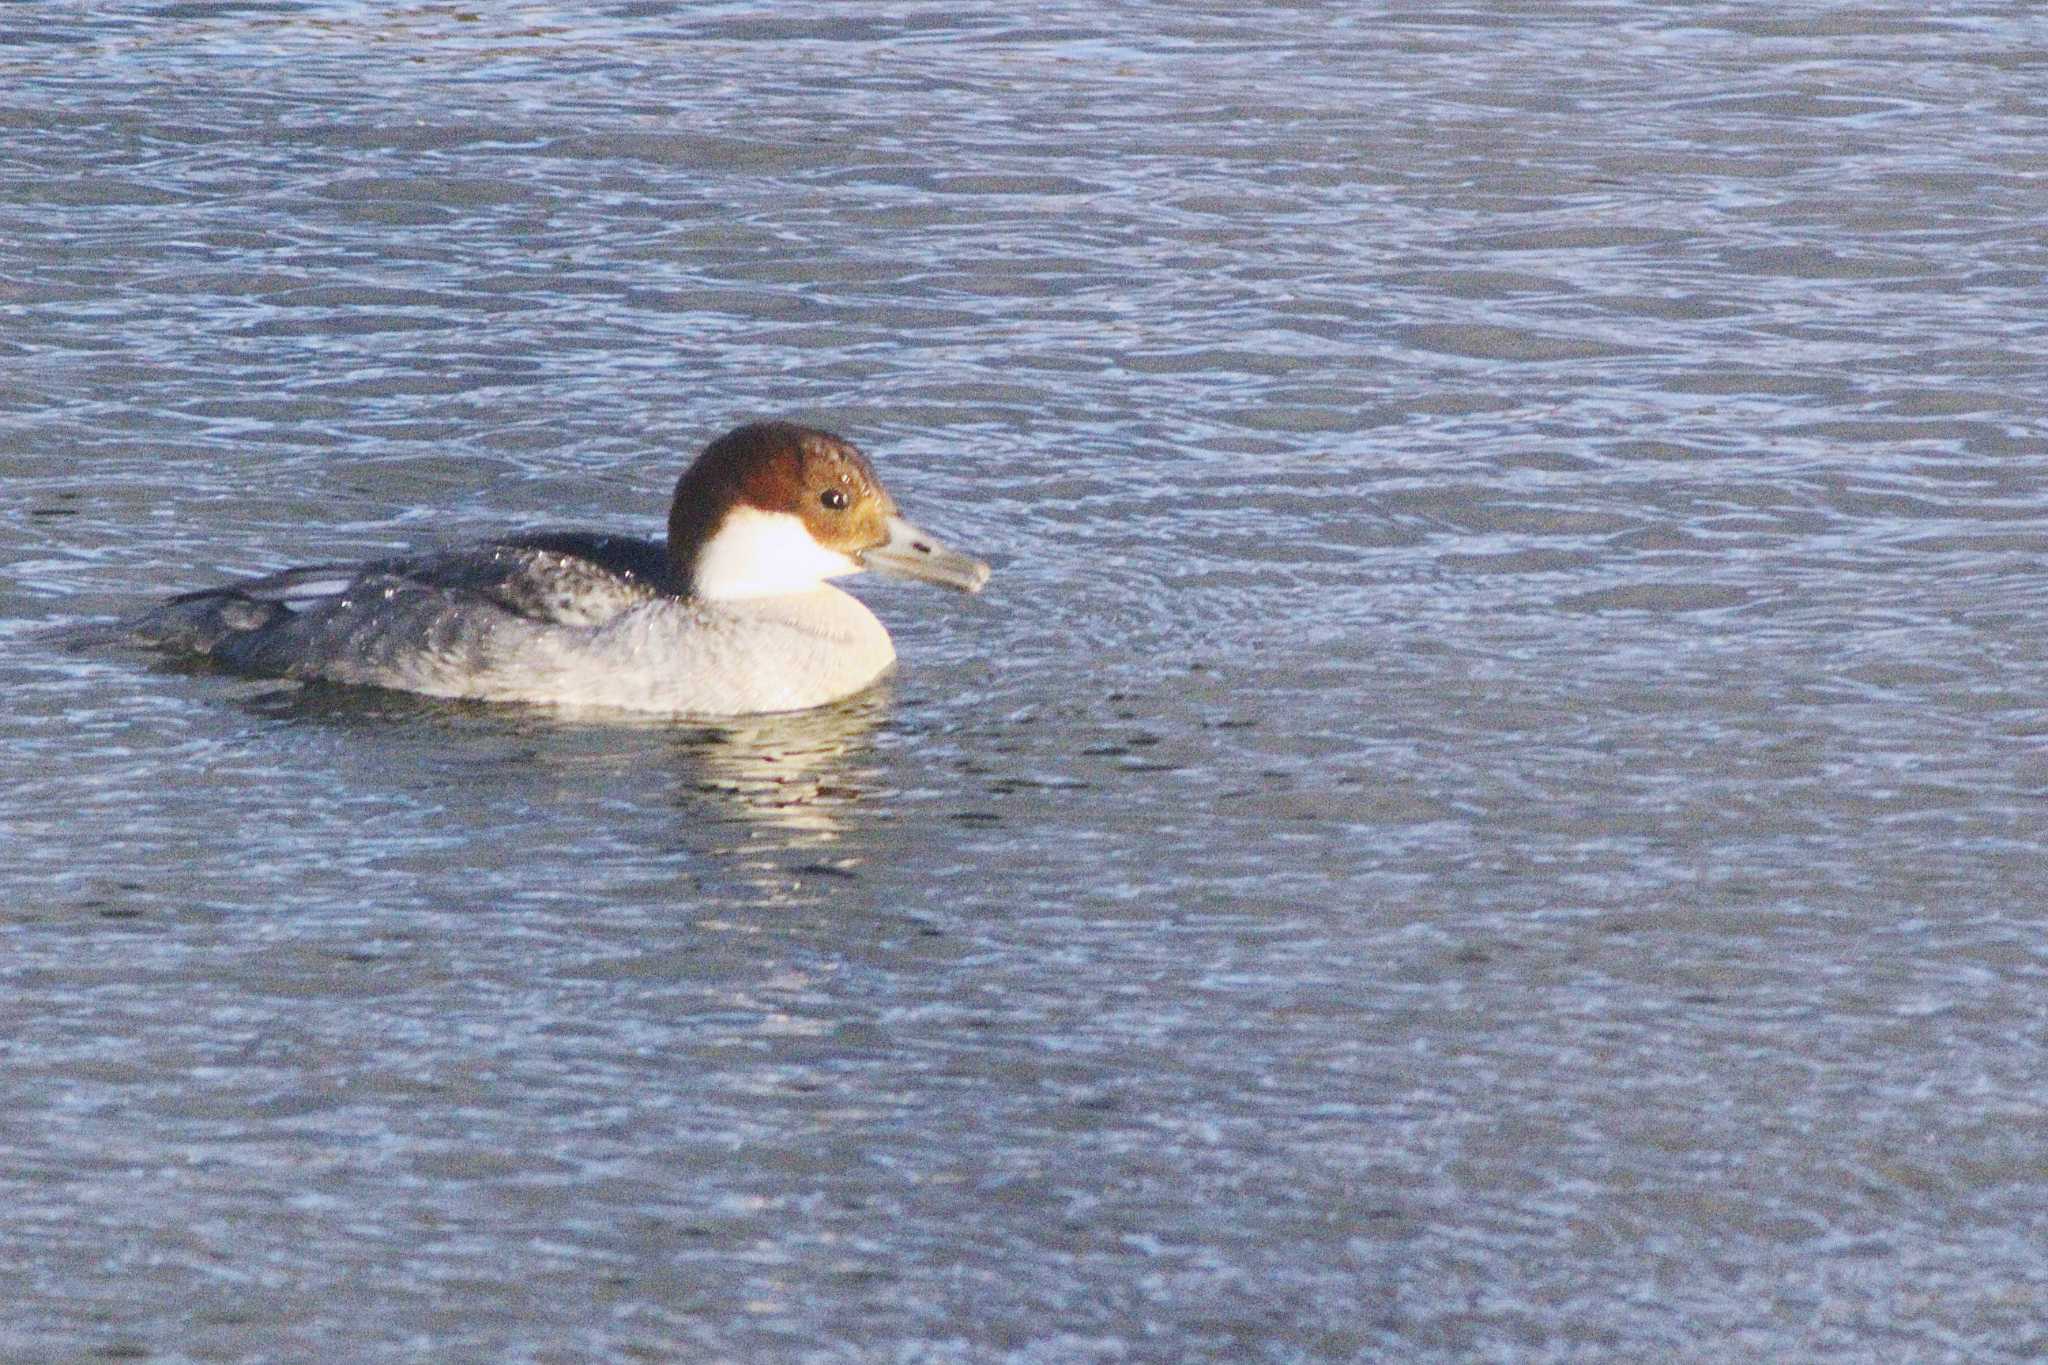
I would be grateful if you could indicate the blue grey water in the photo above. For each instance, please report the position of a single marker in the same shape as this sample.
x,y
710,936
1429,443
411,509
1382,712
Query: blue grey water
x,y
1493,809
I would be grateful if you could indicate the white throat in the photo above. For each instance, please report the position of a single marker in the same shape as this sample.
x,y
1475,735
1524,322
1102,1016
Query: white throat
x,y
764,554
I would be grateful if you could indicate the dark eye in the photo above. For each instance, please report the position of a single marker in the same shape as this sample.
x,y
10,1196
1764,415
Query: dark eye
x,y
834,498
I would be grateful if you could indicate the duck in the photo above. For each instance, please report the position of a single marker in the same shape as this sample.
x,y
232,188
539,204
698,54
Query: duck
x,y
734,614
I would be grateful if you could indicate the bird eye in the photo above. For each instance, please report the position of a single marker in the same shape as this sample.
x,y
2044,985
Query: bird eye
x,y
834,498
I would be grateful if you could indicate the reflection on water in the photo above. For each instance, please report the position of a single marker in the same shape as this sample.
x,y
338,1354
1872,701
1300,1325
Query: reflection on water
x,y
799,774
791,779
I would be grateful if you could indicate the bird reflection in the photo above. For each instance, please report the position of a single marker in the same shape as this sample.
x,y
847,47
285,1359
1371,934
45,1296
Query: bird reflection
x,y
795,773
769,810
791,777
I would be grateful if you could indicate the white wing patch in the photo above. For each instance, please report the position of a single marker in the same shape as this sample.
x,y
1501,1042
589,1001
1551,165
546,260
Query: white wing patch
x,y
306,590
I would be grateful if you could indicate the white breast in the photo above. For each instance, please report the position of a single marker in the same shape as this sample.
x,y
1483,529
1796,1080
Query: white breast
x,y
700,658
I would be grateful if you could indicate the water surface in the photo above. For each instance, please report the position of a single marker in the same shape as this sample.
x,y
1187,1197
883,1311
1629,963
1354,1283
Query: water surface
x,y
1492,809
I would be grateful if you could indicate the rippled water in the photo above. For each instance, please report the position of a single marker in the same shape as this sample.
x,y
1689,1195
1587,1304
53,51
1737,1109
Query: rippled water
x,y
1492,810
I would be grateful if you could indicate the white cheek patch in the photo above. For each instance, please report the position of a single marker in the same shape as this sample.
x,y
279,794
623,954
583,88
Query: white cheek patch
x,y
764,554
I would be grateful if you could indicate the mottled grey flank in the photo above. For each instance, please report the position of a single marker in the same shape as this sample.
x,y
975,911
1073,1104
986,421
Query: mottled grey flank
x,y
1492,810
